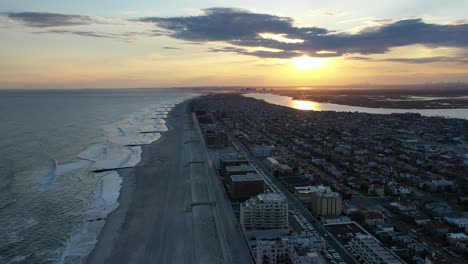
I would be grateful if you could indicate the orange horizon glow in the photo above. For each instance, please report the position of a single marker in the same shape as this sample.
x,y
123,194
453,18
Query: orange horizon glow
x,y
305,63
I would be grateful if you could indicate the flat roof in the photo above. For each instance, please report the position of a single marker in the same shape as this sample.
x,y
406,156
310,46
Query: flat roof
x,y
272,160
346,232
247,177
375,246
271,197
232,157
242,167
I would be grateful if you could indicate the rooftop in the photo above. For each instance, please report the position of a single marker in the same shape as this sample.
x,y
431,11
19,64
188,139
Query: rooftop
x,y
271,197
247,177
243,167
232,157
374,245
457,235
272,160
374,215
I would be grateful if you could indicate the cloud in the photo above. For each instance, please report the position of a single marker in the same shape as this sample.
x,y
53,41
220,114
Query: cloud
x,y
44,20
79,33
326,12
358,58
229,24
423,60
194,43
171,48
258,53
427,60
54,23
126,36
243,29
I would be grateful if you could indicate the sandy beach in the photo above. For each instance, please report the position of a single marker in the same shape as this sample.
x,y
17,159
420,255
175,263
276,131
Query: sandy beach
x,y
155,222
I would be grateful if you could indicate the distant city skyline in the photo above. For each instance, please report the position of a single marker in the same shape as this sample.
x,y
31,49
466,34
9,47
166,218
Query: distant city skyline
x,y
127,44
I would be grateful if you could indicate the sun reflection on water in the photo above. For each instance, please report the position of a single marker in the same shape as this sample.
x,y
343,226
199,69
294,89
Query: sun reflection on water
x,y
305,105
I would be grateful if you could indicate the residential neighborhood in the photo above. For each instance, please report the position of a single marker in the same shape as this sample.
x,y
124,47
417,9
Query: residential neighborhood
x,y
394,183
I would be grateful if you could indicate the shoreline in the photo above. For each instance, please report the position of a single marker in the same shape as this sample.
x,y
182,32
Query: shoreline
x,y
288,101
160,218
390,99
115,220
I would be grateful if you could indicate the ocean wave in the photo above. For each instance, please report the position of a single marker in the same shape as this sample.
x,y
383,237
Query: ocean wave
x,y
111,156
62,169
12,231
82,241
5,204
121,150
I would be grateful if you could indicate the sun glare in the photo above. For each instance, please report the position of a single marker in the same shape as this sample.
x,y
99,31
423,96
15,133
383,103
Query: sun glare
x,y
308,63
305,105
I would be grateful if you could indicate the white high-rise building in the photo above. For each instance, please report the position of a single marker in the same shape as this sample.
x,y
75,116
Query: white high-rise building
x,y
265,211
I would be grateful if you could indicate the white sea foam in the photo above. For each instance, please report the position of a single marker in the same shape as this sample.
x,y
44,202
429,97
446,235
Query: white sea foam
x,y
139,128
82,241
69,167
111,156
109,192
115,153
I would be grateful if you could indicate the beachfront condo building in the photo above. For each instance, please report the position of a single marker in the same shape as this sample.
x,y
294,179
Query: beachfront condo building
x,y
243,187
265,211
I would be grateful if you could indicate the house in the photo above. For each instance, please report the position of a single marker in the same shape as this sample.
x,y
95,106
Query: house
x,y
384,228
404,205
272,163
416,247
439,209
420,218
460,222
454,237
438,185
284,169
398,189
438,226
261,151
376,188
374,218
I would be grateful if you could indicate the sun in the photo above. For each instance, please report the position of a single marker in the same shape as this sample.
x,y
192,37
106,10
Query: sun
x,y
308,63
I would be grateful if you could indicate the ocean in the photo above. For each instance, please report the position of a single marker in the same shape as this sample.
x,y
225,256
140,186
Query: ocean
x,y
51,203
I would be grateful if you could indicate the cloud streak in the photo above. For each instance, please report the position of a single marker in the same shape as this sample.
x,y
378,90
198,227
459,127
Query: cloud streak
x,y
423,60
258,53
45,20
125,36
54,23
243,28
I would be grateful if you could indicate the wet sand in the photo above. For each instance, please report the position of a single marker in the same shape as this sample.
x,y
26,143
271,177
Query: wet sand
x,y
155,222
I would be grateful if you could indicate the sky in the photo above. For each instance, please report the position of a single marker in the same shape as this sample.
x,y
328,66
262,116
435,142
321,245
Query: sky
x,y
58,44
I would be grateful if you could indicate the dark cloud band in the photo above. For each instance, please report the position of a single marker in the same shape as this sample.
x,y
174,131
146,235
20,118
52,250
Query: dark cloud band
x,y
242,28
416,60
44,20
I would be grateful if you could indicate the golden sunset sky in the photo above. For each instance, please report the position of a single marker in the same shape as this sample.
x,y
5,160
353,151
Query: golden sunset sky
x,y
124,44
